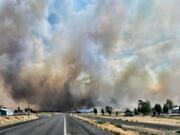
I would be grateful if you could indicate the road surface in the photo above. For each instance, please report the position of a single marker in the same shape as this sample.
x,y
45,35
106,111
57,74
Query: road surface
x,y
59,124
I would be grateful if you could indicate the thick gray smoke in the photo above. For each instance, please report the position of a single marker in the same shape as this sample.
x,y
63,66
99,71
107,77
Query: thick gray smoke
x,y
58,54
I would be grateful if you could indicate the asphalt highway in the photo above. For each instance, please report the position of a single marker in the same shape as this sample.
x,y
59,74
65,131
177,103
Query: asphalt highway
x,y
59,124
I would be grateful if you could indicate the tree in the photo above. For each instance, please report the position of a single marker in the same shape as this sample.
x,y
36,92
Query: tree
x,y
29,110
109,110
19,109
144,107
128,112
158,108
102,111
170,103
15,111
153,111
136,111
95,111
117,113
166,108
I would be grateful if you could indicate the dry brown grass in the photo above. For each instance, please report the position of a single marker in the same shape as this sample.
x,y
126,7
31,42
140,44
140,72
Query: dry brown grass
x,y
149,119
8,120
109,127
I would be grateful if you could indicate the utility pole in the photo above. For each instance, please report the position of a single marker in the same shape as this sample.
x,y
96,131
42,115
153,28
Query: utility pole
x,y
28,111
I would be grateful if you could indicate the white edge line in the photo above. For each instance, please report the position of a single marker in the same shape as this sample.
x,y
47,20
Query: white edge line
x,y
65,130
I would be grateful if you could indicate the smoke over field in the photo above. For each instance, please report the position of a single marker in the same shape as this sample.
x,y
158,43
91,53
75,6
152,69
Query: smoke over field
x,y
58,54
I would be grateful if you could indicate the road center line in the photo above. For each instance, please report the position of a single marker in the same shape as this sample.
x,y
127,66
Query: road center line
x,y
65,130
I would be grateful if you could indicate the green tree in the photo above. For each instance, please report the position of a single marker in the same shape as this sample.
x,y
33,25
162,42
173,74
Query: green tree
x,y
158,108
144,107
136,111
128,112
95,111
102,111
109,110
117,113
19,109
170,103
166,108
153,112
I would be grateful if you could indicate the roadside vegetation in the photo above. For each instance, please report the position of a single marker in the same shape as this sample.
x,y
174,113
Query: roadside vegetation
x,y
143,108
116,129
164,114
10,120
9,117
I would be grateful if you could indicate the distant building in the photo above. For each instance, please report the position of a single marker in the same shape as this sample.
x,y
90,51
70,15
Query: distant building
x,y
5,112
85,110
176,109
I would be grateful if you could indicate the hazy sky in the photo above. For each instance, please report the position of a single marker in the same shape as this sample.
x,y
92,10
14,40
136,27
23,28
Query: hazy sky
x,y
58,54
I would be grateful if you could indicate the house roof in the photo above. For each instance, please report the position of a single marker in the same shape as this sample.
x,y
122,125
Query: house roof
x,y
3,109
176,108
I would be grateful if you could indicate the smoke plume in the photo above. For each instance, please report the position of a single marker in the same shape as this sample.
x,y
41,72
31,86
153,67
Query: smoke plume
x,y
57,55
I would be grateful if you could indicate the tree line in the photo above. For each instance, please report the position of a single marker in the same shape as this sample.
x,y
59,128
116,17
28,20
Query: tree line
x,y
144,108
108,110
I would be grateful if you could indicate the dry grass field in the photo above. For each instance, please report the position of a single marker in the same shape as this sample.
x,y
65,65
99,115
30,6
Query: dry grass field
x,y
169,120
109,127
9,120
154,125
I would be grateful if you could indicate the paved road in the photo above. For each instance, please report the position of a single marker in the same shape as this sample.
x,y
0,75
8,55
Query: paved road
x,y
136,124
59,124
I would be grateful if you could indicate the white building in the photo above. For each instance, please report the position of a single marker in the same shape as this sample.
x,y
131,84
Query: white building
x,y
6,112
176,109
85,110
